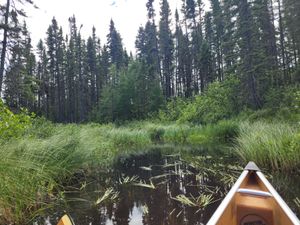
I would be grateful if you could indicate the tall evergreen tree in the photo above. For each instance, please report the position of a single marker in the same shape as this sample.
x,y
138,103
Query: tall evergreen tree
x,y
114,43
56,67
218,25
10,14
250,55
229,39
166,49
20,84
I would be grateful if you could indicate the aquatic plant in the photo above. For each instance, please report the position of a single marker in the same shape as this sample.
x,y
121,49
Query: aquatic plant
x,y
109,195
271,145
200,201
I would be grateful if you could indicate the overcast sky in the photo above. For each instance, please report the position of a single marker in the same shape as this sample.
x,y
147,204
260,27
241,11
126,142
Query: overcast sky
x,y
128,15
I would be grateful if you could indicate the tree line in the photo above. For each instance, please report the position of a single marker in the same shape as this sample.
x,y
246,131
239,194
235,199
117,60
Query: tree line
x,y
69,79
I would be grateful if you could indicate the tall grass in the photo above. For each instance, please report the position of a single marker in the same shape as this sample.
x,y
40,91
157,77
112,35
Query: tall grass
x,y
33,168
271,145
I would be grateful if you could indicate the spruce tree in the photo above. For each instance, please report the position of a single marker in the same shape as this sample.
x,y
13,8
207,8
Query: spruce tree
x,y
9,20
166,49
114,43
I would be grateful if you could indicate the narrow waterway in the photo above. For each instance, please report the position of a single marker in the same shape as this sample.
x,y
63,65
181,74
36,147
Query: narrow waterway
x,y
157,189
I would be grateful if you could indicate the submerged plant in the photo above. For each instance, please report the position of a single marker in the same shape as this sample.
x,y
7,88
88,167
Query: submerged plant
x,y
145,185
128,180
110,194
297,202
201,201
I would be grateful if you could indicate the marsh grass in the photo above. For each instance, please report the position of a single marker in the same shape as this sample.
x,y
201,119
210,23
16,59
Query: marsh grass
x,y
34,168
270,145
224,132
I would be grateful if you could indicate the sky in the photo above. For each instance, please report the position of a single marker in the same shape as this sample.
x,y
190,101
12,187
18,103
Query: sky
x,y
128,15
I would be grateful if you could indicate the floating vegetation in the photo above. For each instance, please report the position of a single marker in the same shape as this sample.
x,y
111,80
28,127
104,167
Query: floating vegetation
x,y
145,185
145,209
146,168
109,194
297,202
148,183
128,180
201,201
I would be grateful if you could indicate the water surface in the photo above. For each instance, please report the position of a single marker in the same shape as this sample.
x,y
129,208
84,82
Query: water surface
x,y
157,189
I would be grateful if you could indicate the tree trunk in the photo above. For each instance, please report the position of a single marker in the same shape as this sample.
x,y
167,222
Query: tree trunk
x,y
4,44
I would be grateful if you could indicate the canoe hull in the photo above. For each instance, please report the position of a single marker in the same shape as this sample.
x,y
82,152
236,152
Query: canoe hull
x,y
65,220
253,200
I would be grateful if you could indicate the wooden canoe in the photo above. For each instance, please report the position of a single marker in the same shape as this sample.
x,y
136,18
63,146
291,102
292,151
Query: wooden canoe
x,y
253,201
66,220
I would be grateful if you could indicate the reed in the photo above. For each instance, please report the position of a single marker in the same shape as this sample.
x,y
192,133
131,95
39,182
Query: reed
x,y
34,167
271,145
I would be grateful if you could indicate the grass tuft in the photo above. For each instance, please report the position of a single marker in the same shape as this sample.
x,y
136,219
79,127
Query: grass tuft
x,y
271,145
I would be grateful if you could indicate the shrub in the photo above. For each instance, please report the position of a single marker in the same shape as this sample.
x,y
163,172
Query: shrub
x,y
224,132
156,134
173,109
13,125
217,103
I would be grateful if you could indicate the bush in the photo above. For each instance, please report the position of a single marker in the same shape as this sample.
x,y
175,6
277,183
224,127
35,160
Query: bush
x,y
173,110
217,103
156,134
13,125
285,99
224,132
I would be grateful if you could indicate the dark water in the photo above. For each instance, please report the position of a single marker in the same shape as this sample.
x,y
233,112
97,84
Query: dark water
x,y
156,189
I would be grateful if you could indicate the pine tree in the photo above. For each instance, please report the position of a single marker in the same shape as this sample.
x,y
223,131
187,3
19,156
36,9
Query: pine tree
x,y
71,72
114,43
292,18
166,49
20,84
267,38
56,67
42,76
10,16
218,27
92,67
250,55
207,57
229,44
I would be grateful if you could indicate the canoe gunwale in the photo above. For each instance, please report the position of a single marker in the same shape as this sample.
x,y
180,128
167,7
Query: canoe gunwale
x,y
278,198
220,210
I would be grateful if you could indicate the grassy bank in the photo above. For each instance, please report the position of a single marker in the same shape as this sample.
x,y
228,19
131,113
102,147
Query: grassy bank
x,y
275,146
34,166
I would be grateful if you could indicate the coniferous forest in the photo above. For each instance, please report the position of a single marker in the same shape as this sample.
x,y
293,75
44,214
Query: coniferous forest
x,y
210,86
254,45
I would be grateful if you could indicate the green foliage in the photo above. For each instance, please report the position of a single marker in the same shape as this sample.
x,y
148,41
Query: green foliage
x,y
173,109
156,134
13,125
133,97
272,145
42,159
282,104
41,128
177,134
218,102
223,132
286,97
